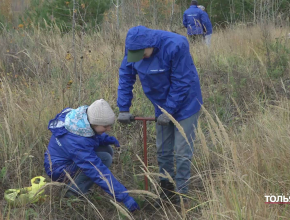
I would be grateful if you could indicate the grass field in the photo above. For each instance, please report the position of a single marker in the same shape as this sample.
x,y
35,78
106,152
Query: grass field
x,y
242,147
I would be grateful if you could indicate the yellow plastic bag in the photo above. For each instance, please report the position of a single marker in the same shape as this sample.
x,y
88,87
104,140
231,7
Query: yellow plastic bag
x,y
23,196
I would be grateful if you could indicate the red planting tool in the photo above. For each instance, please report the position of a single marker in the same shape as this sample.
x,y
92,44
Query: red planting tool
x,y
145,160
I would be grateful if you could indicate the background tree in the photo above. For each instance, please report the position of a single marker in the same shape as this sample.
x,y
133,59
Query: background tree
x,y
87,13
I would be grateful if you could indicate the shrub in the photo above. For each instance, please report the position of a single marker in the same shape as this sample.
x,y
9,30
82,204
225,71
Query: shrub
x,y
88,13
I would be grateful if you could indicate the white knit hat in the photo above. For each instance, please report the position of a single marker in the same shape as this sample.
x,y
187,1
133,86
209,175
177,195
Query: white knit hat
x,y
100,113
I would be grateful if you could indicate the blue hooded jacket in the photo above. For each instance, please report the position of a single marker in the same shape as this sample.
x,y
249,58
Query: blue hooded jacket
x,y
196,21
168,77
72,146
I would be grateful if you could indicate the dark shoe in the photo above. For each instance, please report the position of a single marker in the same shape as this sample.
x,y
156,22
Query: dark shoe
x,y
186,202
167,189
166,193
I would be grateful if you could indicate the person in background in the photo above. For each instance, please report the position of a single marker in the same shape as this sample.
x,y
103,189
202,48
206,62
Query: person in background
x,y
196,20
201,7
170,80
207,37
80,147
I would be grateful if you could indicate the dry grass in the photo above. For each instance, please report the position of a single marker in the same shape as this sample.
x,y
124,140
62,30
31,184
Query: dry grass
x,y
242,146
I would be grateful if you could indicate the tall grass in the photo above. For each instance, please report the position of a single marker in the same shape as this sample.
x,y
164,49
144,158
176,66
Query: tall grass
x,y
242,146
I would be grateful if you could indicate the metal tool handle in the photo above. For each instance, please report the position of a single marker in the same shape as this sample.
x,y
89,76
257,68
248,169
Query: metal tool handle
x,y
145,160
134,118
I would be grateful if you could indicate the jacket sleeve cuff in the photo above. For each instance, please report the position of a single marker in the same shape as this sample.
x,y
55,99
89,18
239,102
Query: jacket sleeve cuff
x,y
169,110
124,109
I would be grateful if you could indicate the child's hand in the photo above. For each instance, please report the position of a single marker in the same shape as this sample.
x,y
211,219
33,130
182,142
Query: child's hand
x,y
117,144
131,204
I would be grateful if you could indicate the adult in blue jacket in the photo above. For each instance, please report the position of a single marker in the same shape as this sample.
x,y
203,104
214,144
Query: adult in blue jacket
x,y
169,79
197,22
80,147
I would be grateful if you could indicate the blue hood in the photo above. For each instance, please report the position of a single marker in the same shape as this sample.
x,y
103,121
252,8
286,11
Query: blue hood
x,y
56,125
141,37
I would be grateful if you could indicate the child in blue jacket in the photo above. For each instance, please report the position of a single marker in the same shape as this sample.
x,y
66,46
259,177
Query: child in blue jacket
x,y
80,146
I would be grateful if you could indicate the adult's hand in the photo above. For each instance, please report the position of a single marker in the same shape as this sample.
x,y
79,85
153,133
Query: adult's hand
x,y
125,117
163,119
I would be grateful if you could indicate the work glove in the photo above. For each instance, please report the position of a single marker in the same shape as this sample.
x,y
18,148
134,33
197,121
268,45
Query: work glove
x,y
130,204
125,117
163,119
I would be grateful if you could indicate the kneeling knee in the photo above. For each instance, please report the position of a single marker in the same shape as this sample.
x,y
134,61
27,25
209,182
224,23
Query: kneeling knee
x,y
107,159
